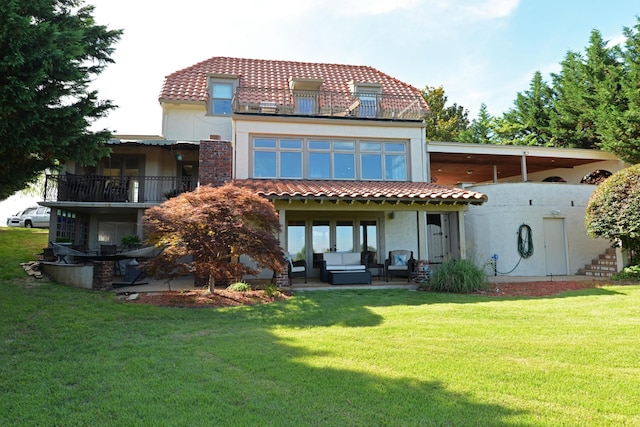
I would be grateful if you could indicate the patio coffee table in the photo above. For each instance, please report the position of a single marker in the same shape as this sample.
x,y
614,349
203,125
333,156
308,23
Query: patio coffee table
x,y
349,277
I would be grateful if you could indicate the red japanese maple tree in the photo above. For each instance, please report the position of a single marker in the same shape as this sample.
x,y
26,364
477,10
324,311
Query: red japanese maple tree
x,y
204,231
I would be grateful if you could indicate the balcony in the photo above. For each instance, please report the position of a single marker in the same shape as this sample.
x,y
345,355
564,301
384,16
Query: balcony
x,y
106,189
285,102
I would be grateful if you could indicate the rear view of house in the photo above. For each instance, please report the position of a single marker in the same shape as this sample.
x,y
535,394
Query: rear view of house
x,y
339,149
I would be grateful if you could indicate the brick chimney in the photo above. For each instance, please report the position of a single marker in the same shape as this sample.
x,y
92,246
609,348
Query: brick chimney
x,y
215,161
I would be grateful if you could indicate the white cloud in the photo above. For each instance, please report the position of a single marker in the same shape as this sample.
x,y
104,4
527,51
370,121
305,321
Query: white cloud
x,y
490,9
377,7
618,40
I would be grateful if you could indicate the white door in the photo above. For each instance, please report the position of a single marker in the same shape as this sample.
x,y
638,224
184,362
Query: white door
x,y
555,246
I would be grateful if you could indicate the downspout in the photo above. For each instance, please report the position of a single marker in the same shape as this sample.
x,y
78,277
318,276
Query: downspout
x,y
523,166
234,156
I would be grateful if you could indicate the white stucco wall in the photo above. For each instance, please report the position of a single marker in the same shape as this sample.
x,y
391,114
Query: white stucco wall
x,y
401,232
190,122
493,227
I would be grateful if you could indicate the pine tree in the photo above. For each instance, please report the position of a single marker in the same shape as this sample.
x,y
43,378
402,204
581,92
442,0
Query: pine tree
x,y
50,51
481,130
618,117
527,123
581,88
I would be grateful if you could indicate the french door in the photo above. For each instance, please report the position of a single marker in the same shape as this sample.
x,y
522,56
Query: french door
x,y
309,239
333,236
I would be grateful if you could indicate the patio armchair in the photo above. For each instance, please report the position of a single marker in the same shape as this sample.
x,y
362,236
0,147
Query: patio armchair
x,y
296,269
368,258
400,262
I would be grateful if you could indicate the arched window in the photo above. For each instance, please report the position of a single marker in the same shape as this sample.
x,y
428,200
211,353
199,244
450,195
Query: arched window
x,y
595,177
554,179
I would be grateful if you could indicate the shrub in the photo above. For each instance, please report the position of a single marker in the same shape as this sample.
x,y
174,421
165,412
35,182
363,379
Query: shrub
x,y
459,276
271,290
628,273
239,287
130,240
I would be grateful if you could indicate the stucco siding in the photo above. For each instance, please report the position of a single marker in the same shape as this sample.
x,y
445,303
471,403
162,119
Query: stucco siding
x,y
401,232
493,228
191,123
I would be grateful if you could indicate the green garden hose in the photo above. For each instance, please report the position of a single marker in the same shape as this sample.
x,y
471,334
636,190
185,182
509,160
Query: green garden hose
x,y
525,241
525,249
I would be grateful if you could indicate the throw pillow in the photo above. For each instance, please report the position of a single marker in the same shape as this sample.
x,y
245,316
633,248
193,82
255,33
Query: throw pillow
x,y
400,260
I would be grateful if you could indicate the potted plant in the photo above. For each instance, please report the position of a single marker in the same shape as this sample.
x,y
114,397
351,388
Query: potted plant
x,y
63,241
172,193
131,241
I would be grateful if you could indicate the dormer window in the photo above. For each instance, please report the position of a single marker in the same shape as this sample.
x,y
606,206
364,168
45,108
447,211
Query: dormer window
x,y
369,95
221,89
305,94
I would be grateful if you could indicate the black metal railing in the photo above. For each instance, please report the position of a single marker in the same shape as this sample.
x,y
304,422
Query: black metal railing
x,y
130,189
328,103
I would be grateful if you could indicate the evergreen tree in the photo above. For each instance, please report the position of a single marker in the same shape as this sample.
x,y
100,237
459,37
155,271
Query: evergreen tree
x,y
527,123
50,50
481,130
581,89
618,117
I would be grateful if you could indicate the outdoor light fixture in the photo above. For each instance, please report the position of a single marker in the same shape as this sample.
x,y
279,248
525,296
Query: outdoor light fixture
x,y
179,157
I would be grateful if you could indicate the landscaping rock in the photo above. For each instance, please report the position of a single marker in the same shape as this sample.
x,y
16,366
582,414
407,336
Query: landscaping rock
x,y
133,297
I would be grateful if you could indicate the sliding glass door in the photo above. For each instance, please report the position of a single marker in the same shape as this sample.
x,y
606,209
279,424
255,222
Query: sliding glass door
x,y
324,235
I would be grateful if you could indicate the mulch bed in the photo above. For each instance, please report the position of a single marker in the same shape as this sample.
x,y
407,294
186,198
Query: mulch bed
x,y
223,298
534,289
203,298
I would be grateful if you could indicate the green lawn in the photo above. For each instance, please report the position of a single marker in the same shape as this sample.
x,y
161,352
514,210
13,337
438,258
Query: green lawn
x,y
344,358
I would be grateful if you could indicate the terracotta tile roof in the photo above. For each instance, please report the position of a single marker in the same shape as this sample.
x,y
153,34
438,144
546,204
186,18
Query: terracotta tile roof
x,y
190,84
372,191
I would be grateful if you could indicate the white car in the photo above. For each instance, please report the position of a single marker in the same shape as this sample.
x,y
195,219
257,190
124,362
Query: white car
x,y
14,220
37,216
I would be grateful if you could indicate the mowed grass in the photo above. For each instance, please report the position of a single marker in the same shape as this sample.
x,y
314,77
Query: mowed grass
x,y
339,358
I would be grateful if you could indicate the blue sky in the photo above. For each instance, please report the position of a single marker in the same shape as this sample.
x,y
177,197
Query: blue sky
x,y
478,50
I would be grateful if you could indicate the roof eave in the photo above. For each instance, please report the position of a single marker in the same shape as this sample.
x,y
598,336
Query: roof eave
x,y
438,201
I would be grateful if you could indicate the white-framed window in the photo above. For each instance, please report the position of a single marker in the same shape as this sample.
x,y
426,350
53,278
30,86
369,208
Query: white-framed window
x,y
277,158
221,91
383,161
368,104
368,95
305,102
329,159
305,94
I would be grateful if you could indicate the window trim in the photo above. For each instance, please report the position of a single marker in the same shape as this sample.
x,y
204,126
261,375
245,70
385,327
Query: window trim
x,y
215,79
369,95
336,147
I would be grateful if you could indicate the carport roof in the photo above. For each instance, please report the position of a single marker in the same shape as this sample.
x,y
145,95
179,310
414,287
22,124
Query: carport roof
x,y
452,163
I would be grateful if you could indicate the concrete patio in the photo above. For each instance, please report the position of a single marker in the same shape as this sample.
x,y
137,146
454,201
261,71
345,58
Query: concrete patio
x,y
314,284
